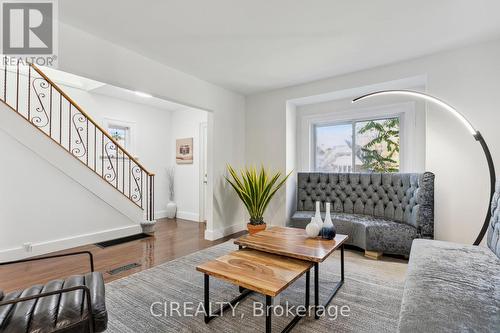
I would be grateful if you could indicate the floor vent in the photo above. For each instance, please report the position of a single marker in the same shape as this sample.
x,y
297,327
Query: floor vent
x,y
122,240
123,268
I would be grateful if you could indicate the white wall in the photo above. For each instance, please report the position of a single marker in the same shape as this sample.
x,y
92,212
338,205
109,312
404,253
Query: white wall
x,y
468,78
89,56
186,124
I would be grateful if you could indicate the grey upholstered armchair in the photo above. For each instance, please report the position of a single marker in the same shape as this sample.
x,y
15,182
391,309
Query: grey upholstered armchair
x,y
381,212
75,304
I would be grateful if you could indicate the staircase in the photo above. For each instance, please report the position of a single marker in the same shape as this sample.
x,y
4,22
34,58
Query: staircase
x,y
28,92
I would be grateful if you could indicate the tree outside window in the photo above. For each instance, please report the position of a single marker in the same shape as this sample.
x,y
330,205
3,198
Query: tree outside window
x,y
358,146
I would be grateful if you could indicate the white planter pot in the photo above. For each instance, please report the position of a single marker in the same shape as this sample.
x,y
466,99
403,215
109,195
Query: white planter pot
x,y
171,210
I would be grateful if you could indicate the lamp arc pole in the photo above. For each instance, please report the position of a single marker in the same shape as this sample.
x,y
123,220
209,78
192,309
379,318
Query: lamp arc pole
x,y
475,133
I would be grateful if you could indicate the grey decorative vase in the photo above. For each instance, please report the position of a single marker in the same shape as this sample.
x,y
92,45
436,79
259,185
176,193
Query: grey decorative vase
x,y
328,231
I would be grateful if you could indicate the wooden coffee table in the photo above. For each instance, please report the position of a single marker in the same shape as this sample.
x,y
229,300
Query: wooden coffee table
x,y
294,243
257,271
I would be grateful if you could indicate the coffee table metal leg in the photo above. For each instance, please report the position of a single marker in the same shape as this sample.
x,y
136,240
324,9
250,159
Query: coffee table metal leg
x,y
299,316
208,315
269,304
241,289
207,298
335,289
316,290
342,262
269,301
308,286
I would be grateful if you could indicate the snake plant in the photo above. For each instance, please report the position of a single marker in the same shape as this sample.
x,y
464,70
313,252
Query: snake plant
x,y
256,189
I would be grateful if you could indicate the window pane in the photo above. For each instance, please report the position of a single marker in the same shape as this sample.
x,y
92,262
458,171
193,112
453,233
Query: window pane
x,y
377,145
333,148
119,134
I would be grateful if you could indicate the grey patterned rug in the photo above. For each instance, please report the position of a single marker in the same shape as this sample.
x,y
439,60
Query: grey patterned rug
x,y
370,298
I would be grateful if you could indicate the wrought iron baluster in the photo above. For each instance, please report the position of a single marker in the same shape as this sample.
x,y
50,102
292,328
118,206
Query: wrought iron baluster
x,y
5,79
117,166
87,140
17,86
69,128
153,198
50,113
123,172
29,93
95,148
60,119
147,194
102,154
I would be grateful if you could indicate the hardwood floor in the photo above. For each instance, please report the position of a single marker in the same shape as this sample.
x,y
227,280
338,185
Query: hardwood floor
x,y
172,239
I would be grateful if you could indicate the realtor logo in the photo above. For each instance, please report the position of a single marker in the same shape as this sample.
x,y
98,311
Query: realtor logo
x,y
29,28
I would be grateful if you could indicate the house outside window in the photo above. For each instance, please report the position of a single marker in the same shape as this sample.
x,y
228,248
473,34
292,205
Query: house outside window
x,y
369,145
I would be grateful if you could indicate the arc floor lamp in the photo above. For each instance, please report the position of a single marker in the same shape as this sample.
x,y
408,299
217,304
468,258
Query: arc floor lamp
x,y
475,133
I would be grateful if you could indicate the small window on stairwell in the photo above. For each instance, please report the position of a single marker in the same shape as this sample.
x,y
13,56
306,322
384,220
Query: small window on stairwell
x,y
122,132
120,135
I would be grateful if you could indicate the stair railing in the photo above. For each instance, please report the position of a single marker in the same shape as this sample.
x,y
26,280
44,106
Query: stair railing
x,y
35,97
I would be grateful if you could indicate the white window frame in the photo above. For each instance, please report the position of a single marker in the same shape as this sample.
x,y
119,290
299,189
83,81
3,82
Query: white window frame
x,y
131,131
405,111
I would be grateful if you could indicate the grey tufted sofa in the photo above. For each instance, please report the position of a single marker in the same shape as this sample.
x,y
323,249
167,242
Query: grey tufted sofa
x,y
454,287
381,212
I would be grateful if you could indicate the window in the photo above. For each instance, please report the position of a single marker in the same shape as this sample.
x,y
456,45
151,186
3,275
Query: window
x,y
358,146
120,134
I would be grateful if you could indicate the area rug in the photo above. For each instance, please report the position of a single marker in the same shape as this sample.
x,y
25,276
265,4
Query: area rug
x,y
369,300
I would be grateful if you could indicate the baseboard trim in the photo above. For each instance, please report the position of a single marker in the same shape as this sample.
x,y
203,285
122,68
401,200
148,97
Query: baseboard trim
x,y
223,232
69,242
188,216
160,214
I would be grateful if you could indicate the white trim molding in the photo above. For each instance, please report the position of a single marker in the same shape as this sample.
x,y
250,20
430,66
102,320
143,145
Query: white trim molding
x,y
222,232
69,242
190,216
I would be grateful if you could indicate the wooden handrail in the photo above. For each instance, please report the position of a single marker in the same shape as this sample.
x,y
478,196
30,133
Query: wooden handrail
x,y
73,103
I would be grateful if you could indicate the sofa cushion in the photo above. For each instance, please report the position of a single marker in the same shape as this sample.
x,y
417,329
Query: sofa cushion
x,y
451,288
367,232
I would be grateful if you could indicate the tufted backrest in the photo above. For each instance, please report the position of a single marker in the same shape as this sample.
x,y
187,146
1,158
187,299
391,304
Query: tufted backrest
x,y
400,197
493,237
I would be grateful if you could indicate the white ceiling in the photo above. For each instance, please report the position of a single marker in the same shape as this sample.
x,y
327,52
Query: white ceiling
x,y
256,45
96,87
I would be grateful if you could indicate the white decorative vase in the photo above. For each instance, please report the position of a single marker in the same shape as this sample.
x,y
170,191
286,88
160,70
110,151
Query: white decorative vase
x,y
171,210
312,229
317,216
328,230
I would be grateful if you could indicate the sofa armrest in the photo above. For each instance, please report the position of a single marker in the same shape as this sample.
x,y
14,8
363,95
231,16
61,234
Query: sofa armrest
x,y
422,216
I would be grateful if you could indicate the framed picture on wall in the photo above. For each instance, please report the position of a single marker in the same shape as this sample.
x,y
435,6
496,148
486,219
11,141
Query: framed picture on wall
x,y
184,151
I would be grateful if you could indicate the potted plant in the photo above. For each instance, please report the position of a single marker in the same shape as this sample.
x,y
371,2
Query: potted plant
x,y
171,206
255,189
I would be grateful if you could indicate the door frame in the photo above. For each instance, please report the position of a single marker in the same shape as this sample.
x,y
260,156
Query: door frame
x,y
203,169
